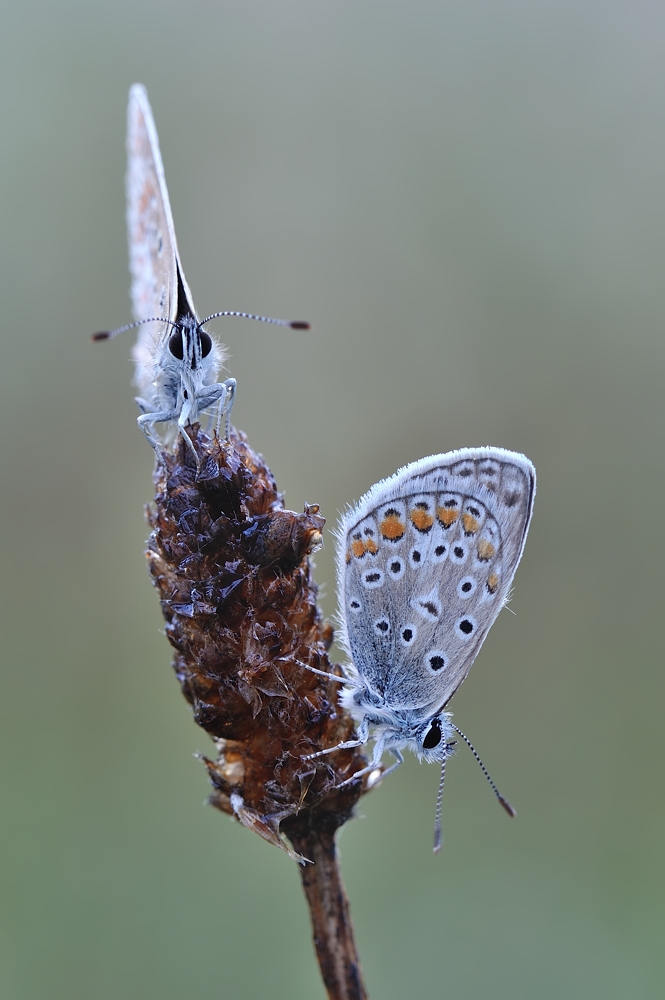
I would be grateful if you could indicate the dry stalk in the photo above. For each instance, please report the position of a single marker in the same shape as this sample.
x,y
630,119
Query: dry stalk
x,y
232,569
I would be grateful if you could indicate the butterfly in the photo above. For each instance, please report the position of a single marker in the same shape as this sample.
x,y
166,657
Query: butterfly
x,y
177,362
425,561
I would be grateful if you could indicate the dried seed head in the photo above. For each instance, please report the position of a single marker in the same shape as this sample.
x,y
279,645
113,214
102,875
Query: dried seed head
x,y
232,569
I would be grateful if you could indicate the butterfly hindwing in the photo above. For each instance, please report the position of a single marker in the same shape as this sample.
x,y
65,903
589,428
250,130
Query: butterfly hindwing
x,y
425,562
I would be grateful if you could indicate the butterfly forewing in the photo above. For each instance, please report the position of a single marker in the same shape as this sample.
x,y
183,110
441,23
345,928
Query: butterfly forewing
x,y
157,279
425,561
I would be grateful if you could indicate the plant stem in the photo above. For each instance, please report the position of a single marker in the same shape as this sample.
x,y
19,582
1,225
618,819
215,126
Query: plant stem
x,y
328,906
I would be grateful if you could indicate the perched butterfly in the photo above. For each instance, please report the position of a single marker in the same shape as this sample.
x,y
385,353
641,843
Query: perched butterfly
x,y
425,561
177,362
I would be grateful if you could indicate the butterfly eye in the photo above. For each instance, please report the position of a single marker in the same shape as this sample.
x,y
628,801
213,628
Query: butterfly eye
x,y
206,344
433,735
175,345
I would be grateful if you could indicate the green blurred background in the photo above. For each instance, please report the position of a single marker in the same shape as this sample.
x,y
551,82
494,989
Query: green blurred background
x,y
467,201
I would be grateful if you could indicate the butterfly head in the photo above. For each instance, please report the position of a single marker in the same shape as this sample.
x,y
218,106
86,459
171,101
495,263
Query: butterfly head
x,y
189,344
187,361
432,739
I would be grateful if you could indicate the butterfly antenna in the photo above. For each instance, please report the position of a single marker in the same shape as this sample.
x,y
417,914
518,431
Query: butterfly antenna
x,y
295,324
504,802
438,834
108,334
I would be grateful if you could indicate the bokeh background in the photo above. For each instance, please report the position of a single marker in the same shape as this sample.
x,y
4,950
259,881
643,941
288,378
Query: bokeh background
x,y
467,201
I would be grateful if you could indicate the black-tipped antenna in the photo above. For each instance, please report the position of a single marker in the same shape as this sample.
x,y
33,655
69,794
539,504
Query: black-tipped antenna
x,y
107,334
504,802
295,324
438,835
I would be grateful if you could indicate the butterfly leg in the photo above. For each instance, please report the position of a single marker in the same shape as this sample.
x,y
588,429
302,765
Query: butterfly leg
x,y
321,673
143,404
377,754
399,759
163,416
226,407
223,394
157,416
363,736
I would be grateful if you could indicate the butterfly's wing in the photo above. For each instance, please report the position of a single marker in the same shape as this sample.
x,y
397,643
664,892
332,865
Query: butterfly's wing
x,y
158,284
425,562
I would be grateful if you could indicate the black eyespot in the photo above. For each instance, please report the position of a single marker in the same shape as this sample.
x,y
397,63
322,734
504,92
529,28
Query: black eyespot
x,y
407,634
433,735
206,344
459,551
439,550
466,587
466,626
382,626
415,555
355,604
437,662
175,345
395,566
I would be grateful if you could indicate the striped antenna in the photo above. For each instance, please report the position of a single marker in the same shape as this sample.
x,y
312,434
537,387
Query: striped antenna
x,y
295,324
438,834
107,334
504,802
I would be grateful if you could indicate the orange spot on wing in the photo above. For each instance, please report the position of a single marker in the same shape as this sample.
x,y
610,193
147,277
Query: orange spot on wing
x,y
485,550
358,548
447,515
470,523
492,583
371,546
421,519
392,527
